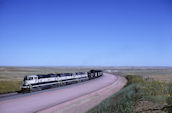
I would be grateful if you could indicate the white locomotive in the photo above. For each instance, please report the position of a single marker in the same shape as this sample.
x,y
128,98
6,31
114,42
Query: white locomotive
x,y
32,82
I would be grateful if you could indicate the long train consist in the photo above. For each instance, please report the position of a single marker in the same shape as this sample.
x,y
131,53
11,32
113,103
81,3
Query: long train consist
x,y
38,82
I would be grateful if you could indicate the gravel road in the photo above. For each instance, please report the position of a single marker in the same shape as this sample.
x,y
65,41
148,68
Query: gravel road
x,y
55,100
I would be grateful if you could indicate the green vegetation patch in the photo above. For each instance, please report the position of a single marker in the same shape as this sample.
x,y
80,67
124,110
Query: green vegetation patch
x,y
153,95
121,102
149,87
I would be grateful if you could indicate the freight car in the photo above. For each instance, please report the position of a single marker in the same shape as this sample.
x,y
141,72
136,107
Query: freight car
x,y
39,82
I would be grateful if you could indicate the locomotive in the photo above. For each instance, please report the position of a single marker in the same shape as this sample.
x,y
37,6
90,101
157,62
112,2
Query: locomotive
x,y
39,82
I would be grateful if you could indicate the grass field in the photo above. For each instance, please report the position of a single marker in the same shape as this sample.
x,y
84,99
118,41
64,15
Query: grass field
x,y
141,95
157,73
11,77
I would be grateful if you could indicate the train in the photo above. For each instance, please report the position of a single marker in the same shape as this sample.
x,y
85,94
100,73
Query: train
x,y
44,81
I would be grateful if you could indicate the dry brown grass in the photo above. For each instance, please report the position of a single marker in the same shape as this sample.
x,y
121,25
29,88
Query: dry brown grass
x,y
162,74
9,86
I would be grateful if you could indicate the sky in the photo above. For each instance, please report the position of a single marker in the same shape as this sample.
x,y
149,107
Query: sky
x,y
85,32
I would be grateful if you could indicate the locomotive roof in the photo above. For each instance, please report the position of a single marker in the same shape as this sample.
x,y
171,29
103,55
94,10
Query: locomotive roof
x,y
31,75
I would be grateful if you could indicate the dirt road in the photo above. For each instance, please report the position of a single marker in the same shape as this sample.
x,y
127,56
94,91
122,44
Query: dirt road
x,y
65,99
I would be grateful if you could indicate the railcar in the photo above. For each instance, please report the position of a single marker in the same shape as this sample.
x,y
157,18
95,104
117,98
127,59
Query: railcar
x,y
94,74
42,81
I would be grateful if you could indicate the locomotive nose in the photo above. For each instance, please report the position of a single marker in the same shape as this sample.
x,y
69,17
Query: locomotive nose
x,y
24,83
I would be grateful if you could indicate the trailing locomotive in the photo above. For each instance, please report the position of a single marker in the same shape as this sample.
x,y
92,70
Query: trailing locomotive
x,y
34,82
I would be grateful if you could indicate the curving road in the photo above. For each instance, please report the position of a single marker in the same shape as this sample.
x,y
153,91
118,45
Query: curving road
x,y
41,102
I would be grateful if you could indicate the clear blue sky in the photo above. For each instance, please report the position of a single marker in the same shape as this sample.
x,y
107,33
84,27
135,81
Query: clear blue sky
x,y
86,32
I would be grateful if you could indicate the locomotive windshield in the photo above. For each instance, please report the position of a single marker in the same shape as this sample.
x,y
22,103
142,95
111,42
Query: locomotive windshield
x,y
28,78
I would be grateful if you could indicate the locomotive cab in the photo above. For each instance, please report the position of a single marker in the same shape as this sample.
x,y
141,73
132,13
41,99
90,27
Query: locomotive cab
x,y
31,79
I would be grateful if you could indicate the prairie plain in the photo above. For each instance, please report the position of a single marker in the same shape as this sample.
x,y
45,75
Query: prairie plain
x,y
11,77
